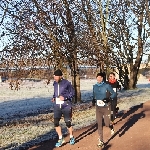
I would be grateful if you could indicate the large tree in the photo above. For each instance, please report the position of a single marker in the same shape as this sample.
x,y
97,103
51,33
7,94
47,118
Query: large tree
x,y
67,33
96,17
130,26
44,30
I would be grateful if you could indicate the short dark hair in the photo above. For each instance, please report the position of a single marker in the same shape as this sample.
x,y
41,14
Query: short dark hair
x,y
112,73
100,74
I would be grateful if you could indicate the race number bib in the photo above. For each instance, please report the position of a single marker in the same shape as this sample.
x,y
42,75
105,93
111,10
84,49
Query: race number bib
x,y
58,101
115,90
100,103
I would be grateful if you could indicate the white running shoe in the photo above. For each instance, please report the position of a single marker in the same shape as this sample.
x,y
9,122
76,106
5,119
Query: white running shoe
x,y
100,144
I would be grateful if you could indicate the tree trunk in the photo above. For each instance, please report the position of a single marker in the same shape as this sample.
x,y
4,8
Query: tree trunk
x,y
135,69
72,47
76,82
133,74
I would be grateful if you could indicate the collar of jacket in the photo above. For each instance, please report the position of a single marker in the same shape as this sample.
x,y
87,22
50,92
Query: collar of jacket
x,y
99,84
60,80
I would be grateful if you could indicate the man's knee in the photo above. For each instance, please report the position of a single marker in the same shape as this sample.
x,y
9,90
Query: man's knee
x,y
68,124
56,122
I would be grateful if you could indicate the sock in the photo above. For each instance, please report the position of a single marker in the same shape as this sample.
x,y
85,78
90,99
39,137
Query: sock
x,y
71,136
60,137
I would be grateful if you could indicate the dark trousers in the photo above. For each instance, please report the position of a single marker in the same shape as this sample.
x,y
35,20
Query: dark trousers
x,y
113,109
102,112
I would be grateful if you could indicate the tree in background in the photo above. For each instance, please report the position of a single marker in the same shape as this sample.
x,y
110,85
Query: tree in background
x,y
96,17
130,27
43,30
62,34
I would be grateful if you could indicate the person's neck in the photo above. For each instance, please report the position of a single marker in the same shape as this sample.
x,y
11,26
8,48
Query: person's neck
x,y
100,83
60,80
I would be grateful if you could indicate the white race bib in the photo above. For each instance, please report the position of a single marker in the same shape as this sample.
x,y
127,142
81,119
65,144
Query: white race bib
x,y
58,101
100,103
115,90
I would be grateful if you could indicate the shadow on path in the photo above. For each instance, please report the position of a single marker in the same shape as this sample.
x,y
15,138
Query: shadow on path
x,y
130,122
86,133
129,112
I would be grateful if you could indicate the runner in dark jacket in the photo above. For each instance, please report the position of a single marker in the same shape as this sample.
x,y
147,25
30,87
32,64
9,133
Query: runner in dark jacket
x,y
103,105
115,85
63,94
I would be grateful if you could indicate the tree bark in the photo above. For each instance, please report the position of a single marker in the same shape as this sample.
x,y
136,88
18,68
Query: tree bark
x,y
135,69
72,48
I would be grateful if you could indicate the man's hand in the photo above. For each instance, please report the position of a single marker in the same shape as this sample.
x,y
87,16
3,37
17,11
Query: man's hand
x,y
53,100
106,100
61,98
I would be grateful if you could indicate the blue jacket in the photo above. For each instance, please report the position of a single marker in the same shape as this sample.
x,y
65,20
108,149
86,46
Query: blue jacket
x,y
64,88
99,91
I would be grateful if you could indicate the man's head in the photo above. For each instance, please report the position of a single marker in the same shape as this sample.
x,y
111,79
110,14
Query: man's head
x,y
58,75
100,77
111,76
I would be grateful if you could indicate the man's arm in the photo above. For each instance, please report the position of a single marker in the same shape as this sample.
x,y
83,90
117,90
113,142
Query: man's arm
x,y
53,99
69,92
94,99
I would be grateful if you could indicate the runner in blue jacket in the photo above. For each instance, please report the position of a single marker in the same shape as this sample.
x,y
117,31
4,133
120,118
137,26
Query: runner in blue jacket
x,y
103,105
63,94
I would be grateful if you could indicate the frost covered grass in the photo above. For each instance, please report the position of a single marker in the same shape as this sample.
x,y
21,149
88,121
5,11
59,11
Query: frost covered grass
x,y
31,130
26,118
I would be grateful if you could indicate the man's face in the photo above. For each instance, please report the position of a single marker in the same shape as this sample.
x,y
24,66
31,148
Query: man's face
x,y
99,79
111,77
57,78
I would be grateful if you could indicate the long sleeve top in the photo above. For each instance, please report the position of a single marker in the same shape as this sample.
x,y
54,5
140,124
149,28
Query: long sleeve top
x,y
100,90
63,88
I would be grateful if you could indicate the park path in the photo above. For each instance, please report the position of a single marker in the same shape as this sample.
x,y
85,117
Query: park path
x,y
132,133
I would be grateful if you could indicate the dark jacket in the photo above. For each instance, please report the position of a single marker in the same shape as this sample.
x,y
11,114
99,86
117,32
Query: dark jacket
x,y
114,85
63,88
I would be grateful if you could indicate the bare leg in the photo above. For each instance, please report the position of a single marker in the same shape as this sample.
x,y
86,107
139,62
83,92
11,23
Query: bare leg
x,y
72,139
61,139
58,130
70,131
